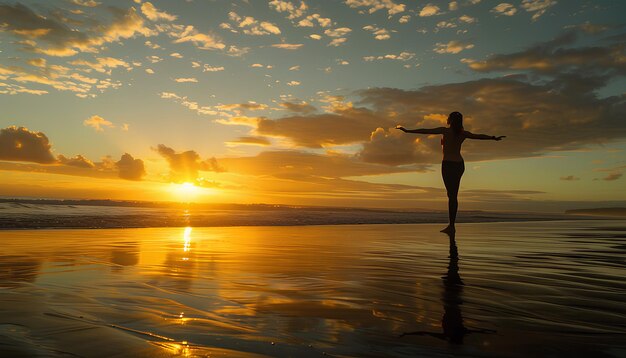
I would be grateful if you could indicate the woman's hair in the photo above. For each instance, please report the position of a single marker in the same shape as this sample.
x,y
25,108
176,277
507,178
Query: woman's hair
x,y
455,120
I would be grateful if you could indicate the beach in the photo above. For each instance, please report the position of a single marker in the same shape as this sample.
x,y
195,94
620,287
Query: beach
x,y
499,289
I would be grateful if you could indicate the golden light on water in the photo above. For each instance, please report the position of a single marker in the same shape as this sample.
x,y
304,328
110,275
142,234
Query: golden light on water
x,y
187,241
187,238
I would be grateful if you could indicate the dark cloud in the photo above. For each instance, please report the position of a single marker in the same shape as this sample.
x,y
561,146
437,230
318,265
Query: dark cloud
x,y
303,107
44,34
130,168
393,147
555,56
184,166
536,118
345,126
612,176
569,178
21,144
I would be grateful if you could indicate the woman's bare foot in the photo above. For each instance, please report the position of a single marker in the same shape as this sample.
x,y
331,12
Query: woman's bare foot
x,y
449,229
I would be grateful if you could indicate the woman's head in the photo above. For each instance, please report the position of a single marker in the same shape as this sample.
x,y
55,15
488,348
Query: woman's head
x,y
455,121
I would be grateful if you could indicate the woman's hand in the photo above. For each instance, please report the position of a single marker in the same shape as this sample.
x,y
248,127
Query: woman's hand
x,y
401,128
499,138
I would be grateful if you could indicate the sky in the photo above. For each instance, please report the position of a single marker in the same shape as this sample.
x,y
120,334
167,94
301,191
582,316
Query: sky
x,y
295,102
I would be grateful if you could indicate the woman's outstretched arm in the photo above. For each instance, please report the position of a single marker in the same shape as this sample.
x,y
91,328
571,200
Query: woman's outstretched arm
x,y
482,136
438,130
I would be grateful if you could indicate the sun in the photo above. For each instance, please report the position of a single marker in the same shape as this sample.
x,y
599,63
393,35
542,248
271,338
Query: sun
x,y
185,192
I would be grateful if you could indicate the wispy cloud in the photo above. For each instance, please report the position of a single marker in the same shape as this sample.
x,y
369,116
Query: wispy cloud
x,y
452,47
98,123
153,14
505,9
375,5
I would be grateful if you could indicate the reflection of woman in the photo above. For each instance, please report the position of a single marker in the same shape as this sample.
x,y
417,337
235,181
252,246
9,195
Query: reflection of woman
x,y
452,166
452,321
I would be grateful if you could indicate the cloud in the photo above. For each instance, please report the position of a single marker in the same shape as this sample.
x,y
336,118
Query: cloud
x,y
260,141
209,68
379,34
202,41
186,80
337,42
537,7
395,148
251,26
452,47
184,166
237,51
590,28
375,5
612,176
558,57
153,14
103,64
298,107
570,178
309,21
505,9
86,3
318,130
288,46
76,161
176,55
430,10
404,19
402,56
292,10
21,144
293,83
527,112
338,32
467,19
43,34
98,123
130,168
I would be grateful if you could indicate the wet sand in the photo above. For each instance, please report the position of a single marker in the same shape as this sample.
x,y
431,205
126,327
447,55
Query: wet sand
x,y
499,289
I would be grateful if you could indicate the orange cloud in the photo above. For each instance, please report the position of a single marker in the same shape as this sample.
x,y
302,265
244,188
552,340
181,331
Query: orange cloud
x,y
98,123
184,166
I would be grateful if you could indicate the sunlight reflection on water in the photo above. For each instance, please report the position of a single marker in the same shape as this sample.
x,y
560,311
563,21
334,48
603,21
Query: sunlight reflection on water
x,y
506,289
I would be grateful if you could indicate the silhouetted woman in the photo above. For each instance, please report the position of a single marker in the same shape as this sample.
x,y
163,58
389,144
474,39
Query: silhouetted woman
x,y
452,166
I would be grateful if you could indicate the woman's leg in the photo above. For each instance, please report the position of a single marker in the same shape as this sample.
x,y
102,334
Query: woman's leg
x,y
452,173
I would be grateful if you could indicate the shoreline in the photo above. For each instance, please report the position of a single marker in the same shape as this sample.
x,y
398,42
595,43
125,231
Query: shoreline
x,y
498,221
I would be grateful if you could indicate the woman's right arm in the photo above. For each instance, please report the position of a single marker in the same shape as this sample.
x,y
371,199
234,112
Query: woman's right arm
x,y
438,130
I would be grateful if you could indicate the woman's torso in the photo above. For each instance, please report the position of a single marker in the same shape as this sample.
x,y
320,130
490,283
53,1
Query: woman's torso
x,y
451,143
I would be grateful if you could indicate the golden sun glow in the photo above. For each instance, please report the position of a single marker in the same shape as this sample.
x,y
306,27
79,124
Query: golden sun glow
x,y
185,192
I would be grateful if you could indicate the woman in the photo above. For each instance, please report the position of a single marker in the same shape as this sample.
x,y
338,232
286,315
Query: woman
x,y
452,166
